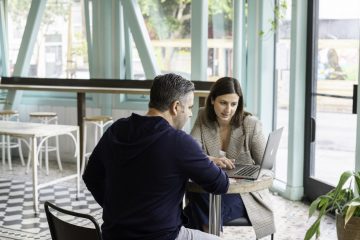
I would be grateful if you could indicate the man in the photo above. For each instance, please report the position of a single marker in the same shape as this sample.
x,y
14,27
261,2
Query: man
x,y
139,169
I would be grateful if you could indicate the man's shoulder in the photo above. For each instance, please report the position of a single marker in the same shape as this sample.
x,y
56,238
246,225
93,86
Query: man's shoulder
x,y
179,133
126,120
184,139
121,121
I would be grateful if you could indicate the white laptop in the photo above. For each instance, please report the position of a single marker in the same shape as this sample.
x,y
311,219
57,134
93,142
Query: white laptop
x,y
252,172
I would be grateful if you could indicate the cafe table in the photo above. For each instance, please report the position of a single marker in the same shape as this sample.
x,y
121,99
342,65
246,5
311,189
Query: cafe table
x,y
236,186
31,133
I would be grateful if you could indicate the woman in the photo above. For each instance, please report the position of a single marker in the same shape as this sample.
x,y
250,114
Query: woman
x,y
230,135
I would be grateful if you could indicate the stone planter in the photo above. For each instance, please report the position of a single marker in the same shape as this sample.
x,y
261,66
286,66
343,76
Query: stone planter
x,y
351,230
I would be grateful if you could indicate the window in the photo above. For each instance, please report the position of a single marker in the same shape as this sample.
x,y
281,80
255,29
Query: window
x,y
60,50
282,75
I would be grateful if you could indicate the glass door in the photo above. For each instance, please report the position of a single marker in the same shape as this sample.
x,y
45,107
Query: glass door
x,y
333,68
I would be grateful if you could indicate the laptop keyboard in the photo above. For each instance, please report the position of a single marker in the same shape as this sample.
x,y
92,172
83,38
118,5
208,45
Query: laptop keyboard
x,y
247,170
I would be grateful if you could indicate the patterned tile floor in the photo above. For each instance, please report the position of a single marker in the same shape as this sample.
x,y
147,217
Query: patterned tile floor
x,y
18,222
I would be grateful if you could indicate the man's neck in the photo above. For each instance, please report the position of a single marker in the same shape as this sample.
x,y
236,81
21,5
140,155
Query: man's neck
x,y
152,112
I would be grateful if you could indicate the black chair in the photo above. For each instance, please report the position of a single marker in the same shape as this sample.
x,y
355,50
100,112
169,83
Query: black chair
x,y
64,230
243,221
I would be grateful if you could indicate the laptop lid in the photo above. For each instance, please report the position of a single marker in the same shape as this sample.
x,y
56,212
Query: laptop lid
x,y
267,161
271,148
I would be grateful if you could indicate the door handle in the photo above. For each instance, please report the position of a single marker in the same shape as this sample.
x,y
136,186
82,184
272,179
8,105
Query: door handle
x,y
354,98
313,129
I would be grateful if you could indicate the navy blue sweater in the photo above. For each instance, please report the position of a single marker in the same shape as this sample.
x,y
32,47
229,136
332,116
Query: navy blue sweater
x,y
138,172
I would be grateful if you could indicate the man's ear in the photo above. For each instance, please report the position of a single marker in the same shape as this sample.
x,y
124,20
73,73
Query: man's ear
x,y
174,107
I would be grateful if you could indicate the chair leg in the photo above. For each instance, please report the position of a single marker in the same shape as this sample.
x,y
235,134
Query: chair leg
x,y
29,158
40,158
58,153
3,149
9,151
21,153
47,157
28,163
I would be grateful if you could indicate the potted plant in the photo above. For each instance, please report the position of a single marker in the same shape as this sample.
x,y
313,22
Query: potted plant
x,y
344,200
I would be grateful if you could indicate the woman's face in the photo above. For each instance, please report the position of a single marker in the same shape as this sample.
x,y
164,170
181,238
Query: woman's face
x,y
225,106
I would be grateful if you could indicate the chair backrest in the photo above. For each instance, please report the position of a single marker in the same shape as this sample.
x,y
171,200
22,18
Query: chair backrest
x,y
242,221
64,230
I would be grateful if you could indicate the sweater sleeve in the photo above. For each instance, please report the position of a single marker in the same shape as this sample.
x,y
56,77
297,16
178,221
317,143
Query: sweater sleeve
x,y
94,174
197,166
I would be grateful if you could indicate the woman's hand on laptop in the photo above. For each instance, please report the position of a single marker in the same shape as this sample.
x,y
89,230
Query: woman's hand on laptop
x,y
223,162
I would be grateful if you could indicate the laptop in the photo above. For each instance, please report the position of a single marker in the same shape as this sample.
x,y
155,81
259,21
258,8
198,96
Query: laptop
x,y
251,171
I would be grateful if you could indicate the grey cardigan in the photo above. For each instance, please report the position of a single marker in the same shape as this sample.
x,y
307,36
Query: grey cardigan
x,y
246,146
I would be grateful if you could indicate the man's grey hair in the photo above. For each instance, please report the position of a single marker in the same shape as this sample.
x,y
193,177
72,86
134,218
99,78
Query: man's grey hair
x,y
167,89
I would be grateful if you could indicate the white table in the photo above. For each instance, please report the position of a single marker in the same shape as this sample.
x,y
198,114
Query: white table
x,y
33,131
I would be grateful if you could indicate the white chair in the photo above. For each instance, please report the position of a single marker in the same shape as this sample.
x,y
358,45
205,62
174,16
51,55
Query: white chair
x,y
100,123
46,118
7,142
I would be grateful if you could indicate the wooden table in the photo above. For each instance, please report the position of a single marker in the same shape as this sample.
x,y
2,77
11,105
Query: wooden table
x,y
35,131
236,186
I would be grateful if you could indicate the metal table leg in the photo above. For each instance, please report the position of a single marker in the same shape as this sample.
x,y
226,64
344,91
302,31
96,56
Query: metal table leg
x,y
78,159
214,214
81,109
34,157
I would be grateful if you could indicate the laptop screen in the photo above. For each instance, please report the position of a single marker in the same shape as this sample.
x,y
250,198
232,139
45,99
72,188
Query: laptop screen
x,y
267,161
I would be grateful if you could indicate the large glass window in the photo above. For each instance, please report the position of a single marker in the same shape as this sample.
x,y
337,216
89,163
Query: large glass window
x,y
17,15
168,24
60,50
337,70
220,44
282,74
